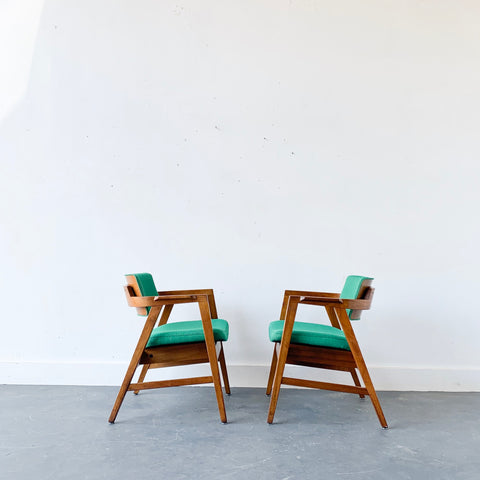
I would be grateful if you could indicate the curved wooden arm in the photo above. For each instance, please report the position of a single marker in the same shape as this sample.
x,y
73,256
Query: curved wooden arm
x,y
158,301
324,301
304,293
356,304
198,291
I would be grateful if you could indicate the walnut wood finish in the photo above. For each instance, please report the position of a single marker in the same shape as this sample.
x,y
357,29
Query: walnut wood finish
x,y
171,383
350,361
208,351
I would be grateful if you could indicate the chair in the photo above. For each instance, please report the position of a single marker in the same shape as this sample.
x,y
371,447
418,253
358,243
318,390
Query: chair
x,y
332,347
175,343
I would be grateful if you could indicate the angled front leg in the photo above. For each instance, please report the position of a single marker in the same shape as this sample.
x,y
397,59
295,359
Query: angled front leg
x,y
282,356
142,342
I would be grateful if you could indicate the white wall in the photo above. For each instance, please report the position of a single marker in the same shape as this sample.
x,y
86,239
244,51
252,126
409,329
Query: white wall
x,y
246,146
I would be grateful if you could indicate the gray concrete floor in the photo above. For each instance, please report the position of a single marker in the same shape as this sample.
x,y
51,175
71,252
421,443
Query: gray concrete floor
x,y
50,432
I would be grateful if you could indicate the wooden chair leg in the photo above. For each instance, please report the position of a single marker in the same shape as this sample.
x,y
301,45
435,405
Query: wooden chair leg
x,y
282,356
371,392
277,381
357,382
142,341
123,389
273,366
218,387
362,367
141,378
212,357
223,367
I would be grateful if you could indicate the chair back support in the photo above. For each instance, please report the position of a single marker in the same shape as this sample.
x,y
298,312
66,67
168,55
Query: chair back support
x,y
356,287
142,285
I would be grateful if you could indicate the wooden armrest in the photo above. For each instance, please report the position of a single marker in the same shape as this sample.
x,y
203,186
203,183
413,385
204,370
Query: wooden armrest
x,y
204,292
304,293
321,300
356,304
289,294
160,300
198,291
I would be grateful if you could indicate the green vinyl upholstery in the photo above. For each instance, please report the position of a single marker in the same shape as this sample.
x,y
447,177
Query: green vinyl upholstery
x,y
351,289
310,334
146,285
186,332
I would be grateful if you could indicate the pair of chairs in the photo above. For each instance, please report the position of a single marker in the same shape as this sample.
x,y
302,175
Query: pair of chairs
x,y
332,346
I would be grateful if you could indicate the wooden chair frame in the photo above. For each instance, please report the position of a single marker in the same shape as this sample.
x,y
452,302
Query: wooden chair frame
x,y
208,351
351,360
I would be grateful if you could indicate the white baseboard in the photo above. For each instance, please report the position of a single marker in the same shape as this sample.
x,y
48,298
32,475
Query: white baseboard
x,y
384,377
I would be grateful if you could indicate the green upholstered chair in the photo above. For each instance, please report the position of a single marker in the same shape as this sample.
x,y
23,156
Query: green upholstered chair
x,y
163,344
332,346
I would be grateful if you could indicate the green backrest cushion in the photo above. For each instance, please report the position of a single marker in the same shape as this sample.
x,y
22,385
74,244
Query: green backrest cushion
x,y
352,286
146,285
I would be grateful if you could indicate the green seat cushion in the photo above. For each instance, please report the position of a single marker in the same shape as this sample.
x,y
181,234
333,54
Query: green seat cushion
x,y
186,332
310,334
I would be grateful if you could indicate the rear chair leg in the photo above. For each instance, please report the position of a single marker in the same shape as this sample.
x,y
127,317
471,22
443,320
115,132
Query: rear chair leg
x,y
357,382
223,367
141,378
273,366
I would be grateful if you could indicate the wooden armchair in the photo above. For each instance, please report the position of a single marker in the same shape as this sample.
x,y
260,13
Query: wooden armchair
x,y
175,343
332,347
